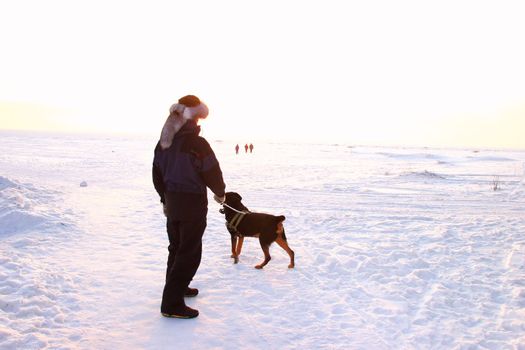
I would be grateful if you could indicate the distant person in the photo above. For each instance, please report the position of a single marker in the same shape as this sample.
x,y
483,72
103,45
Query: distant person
x,y
183,167
251,147
237,149
246,148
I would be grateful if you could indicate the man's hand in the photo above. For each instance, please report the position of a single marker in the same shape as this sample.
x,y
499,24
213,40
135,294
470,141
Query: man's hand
x,y
218,199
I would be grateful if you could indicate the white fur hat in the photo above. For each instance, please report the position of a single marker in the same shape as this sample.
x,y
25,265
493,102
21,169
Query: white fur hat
x,y
188,107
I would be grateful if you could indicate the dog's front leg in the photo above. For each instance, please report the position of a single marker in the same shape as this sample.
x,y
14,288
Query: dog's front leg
x,y
239,246
235,256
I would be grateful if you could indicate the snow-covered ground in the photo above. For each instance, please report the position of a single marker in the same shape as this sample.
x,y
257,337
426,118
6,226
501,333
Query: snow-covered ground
x,y
395,249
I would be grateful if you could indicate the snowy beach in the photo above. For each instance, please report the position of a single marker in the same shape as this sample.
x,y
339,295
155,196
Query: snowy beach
x,y
396,248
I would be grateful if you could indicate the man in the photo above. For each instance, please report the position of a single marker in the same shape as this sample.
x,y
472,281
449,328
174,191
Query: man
x,y
183,167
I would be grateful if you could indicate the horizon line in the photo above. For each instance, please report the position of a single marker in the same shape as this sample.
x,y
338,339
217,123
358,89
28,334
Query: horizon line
x,y
148,134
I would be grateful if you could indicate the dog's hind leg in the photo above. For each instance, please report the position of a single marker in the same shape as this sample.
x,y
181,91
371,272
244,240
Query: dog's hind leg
x,y
281,241
266,250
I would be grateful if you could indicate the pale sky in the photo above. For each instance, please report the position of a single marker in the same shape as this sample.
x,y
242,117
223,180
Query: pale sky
x,y
427,73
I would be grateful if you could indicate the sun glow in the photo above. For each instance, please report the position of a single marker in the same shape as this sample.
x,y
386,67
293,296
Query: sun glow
x,y
374,73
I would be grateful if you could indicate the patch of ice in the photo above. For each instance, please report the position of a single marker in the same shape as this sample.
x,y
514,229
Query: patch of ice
x,y
411,156
425,174
491,159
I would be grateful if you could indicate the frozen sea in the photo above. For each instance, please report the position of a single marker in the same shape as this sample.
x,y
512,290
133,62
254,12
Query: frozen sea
x,y
396,248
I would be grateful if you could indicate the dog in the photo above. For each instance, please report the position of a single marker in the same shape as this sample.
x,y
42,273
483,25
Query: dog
x,y
241,223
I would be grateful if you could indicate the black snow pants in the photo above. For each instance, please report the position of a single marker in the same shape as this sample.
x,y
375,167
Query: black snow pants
x,y
185,251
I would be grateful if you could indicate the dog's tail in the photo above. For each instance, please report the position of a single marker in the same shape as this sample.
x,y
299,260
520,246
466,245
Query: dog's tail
x,y
280,227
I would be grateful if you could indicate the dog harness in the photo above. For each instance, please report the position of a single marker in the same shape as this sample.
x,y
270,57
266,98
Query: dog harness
x,y
236,221
237,218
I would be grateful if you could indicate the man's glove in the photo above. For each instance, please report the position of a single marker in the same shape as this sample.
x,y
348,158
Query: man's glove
x,y
218,199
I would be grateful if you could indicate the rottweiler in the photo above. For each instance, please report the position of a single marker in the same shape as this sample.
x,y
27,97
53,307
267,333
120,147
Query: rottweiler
x,y
241,222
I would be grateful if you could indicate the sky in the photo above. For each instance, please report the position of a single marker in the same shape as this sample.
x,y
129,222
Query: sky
x,y
410,73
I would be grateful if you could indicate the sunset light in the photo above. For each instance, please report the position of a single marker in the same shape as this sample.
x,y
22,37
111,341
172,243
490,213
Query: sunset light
x,y
394,73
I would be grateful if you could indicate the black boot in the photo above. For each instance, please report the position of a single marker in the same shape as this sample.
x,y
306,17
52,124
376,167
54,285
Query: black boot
x,y
191,292
182,311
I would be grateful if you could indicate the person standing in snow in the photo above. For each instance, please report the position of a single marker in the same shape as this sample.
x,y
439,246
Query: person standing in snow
x,y
184,166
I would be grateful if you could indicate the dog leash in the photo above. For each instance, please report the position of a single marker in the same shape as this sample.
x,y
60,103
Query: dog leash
x,y
235,210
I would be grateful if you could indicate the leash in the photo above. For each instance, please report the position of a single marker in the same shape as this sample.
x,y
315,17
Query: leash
x,y
235,210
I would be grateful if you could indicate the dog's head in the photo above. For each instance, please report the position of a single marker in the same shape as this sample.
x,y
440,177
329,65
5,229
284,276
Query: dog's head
x,y
232,199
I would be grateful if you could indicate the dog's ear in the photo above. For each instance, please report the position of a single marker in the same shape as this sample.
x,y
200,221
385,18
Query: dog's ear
x,y
236,196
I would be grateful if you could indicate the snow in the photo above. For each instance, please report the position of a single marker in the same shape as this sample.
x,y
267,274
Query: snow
x,y
396,248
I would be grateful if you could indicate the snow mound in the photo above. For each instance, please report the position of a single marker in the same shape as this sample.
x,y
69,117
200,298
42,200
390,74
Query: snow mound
x,y
21,207
18,221
6,183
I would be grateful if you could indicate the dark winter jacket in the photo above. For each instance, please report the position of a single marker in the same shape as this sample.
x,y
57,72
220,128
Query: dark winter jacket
x,y
182,172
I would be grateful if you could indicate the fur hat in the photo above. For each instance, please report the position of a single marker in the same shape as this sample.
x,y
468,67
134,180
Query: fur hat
x,y
188,107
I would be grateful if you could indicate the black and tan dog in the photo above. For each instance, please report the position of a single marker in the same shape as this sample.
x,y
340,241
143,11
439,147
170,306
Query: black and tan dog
x,y
243,223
